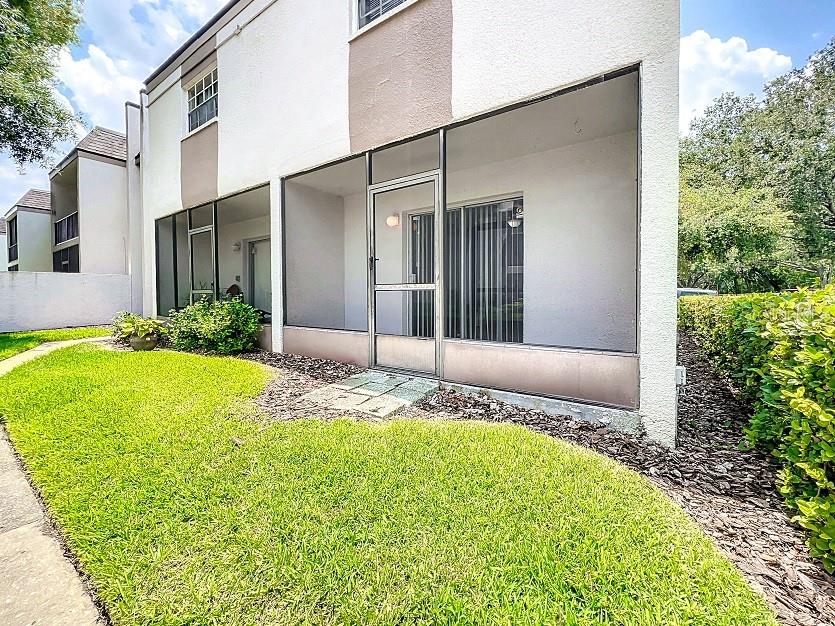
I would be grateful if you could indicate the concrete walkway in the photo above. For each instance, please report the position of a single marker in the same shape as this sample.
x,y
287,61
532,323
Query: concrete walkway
x,y
7,365
38,584
380,394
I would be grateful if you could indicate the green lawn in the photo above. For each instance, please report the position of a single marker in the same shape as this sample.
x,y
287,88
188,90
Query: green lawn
x,y
14,343
310,522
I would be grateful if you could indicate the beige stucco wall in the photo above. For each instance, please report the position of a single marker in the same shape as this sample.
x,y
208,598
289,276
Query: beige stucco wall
x,y
400,75
198,166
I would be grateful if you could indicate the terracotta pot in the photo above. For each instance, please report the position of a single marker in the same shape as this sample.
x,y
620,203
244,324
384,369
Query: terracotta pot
x,y
143,344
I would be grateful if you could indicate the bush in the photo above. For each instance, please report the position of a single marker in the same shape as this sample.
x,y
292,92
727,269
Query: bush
x,y
226,326
780,350
127,325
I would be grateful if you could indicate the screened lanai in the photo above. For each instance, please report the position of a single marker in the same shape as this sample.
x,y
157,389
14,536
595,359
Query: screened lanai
x,y
497,252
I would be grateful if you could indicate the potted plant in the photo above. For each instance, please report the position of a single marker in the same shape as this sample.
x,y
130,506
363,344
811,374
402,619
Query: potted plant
x,y
141,333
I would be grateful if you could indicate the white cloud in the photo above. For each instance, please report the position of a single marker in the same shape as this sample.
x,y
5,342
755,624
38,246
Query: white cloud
x,y
98,88
710,66
13,184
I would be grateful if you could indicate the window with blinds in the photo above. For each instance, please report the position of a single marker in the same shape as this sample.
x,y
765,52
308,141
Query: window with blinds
x,y
483,272
202,101
370,10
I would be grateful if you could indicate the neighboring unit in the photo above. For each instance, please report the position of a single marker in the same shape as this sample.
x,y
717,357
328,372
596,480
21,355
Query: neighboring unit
x,y
442,187
4,246
90,206
28,224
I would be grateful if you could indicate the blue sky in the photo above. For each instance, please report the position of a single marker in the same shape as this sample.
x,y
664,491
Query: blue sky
x,y
727,45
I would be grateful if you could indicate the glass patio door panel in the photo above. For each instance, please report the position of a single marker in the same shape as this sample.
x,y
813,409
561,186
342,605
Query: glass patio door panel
x,y
260,273
403,274
202,265
404,242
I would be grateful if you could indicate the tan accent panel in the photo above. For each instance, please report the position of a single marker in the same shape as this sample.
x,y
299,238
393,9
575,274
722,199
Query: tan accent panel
x,y
602,378
400,75
198,167
199,64
344,346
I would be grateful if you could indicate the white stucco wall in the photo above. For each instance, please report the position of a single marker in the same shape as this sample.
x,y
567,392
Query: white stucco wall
x,y
4,252
34,241
35,300
102,217
283,91
163,130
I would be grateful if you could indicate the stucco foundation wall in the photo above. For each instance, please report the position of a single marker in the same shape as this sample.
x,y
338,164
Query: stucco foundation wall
x,y
102,217
35,300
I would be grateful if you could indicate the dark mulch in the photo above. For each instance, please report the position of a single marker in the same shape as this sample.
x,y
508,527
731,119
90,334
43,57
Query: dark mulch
x,y
295,377
730,492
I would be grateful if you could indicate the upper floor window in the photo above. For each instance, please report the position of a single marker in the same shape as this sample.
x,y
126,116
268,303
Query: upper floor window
x,y
202,101
370,10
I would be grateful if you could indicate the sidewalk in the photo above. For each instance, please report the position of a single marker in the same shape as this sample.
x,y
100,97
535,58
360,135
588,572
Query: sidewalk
x,y
38,584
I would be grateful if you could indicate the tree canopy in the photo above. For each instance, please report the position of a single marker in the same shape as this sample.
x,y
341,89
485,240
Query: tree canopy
x,y
768,163
32,116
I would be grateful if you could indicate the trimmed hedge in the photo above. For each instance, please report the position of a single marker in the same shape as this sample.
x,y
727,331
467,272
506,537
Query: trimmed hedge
x,y
779,349
225,326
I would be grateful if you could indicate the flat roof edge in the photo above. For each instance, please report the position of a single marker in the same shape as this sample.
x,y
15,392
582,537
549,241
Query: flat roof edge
x,y
202,31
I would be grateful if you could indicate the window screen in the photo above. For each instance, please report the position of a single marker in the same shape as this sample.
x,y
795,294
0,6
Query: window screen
x,y
370,10
202,101
65,260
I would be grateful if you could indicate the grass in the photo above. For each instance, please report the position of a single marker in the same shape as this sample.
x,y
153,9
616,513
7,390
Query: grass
x,y
15,343
310,522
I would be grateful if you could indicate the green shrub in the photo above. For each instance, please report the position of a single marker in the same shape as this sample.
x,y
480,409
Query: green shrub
x,y
226,326
780,350
127,325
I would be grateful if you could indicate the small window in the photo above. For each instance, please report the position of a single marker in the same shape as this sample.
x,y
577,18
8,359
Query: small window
x,y
202,101
370,10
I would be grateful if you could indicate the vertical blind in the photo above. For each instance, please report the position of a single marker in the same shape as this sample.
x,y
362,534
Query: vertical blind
x,y
483,272
370,10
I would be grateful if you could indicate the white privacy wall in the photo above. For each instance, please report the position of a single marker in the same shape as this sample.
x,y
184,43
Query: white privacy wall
x,y
40,300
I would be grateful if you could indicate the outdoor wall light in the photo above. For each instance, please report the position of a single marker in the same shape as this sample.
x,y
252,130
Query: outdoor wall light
x,y
393,221
236,247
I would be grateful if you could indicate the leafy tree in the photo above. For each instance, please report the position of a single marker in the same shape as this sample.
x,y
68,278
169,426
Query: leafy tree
x,y
785,145
734,240
796,151
32,117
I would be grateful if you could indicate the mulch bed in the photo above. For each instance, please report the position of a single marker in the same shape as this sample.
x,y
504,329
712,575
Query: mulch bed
x,y
730,492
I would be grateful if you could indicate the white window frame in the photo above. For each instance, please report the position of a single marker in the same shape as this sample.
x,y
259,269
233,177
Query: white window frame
x,y
355,16
212,86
